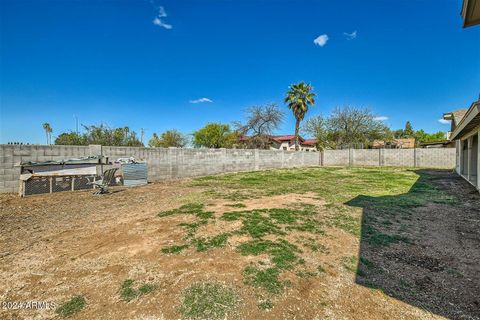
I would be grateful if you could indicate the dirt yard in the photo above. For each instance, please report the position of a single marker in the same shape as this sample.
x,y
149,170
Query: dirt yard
x,y
319,243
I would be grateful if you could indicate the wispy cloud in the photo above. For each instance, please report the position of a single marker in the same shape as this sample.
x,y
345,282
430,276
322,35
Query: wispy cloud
x,y
201,100
443,121
350,36
380,118
321,40
159,21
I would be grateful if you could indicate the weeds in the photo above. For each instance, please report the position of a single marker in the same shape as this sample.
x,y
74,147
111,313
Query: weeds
x,y
72,306
208,300
129,292
174,249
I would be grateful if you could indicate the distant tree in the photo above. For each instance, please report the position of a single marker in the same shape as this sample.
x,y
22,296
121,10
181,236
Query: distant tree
x,y
101,134
170,138
299,98
48,132
422,136
215,135
408,132
350,125
317,127
398,133
71,138
261,122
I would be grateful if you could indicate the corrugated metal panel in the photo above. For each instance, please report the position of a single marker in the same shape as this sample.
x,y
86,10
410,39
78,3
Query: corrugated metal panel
x,y
134,174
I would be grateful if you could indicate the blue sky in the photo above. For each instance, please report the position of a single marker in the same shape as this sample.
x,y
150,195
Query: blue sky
x,y
130,63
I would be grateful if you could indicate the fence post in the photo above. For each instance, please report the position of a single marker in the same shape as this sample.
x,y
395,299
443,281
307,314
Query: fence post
x,y
350,157
414,157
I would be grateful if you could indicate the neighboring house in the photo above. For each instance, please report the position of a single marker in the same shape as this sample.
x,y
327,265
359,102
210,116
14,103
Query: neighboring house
x,y
470,13
287,142
403,143
465,133
437,144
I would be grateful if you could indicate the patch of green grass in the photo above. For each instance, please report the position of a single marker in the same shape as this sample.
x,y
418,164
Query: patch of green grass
x,y
265,305
208,300
189,208
283,253
316,247
267,279
191,228
175,249
257,225
128,292
346,222
455,273
217,241
71,307
146,288
350,263
367,263
231,216
376,238
321,269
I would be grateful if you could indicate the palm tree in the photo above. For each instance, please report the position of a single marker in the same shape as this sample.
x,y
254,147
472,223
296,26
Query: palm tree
x,y
299,97
48,130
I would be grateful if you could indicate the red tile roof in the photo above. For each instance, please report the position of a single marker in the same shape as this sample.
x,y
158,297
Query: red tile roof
x,y
310,142
286,138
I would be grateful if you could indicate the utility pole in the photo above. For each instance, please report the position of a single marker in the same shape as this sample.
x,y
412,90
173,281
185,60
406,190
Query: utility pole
x,y
76,123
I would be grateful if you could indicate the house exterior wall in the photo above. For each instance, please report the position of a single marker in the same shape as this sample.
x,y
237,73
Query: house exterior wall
x,y
468,157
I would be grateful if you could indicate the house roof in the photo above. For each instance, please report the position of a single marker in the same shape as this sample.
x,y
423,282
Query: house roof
x,y
470,121
456,116
310,142
470,12
287,138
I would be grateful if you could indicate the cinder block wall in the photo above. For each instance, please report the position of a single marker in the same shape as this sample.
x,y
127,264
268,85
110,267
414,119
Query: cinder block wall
x,y
176,163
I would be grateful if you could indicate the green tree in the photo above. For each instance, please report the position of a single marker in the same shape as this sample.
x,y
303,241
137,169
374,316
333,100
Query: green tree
x,y
215,135
350,125
170,138
408,132
422,136
317,127
71,138
299,98
48,132
101,134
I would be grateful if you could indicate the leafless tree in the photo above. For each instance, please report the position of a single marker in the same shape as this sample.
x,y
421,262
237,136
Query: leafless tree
x,y
261,122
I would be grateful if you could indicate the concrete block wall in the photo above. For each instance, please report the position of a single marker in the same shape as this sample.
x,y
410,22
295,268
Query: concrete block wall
x,y
336,157
436,158
176,163
12,155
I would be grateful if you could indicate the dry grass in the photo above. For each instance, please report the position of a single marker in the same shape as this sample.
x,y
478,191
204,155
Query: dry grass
x,y
305,243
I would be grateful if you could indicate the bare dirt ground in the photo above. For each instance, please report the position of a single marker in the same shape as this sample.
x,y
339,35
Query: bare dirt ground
x,y
55,246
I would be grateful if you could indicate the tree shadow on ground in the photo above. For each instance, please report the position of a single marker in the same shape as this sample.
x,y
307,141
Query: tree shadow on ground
x,y
423,247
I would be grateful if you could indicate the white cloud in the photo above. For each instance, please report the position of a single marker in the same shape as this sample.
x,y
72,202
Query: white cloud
x,y
201,100
350,36
380,118
443,121
158,20
321,40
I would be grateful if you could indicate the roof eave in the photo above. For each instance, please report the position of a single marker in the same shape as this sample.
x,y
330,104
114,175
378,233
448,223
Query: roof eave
x,y
472,112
